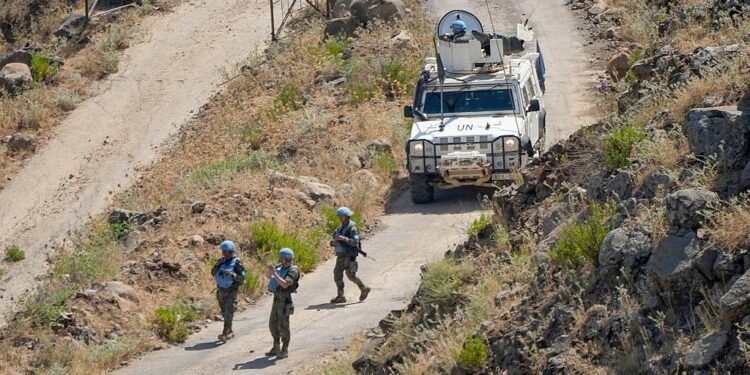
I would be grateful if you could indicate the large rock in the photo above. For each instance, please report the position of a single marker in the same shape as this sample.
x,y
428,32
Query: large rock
x,y
72,26
655,182
122,290
14,77
686,208
672,261
744,183
642,69
21,142
367,11
627,248
705,350
621,185
341,26
618,65
19,57
736,301
599,7
723,132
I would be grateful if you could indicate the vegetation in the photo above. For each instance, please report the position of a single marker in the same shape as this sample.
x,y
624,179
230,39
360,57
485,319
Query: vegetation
x,y
45,308
474,354
255,160
270,239
14,254
619,144
730,228
170,323
331,221
385,163
478,224
443,280
580,242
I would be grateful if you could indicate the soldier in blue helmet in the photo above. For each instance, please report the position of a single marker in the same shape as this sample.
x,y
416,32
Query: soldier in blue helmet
x,y
284,280
347,247
229,275
458,32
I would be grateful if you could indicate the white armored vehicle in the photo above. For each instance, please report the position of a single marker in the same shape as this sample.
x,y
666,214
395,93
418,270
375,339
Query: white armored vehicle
x,y
478,109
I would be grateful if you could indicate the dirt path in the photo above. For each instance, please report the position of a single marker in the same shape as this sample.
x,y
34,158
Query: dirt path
x,y
317,326
93,154
408,237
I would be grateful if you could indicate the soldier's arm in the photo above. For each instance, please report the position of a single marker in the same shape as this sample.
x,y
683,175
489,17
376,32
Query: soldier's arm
x,y
292,275
353,239
238,270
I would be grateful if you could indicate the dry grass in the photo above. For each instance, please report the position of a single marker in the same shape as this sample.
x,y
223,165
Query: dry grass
x,y
730,227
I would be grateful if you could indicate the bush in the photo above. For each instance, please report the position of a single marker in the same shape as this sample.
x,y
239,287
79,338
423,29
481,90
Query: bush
x,y
334,47
479,224
474,354
443,280
384,163
396,78
119,231
45,308
331,221
580,242
289,98
95,260
619,144
360,93
255,160
32,116
252,281
14,254
42,68
170,322
269,239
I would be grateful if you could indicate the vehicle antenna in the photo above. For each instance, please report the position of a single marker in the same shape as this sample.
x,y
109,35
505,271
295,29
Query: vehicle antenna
x,y
502,65
441,78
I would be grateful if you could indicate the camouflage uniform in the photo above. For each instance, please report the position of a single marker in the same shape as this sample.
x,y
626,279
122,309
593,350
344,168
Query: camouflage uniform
x,y
279,320
227,297
346,261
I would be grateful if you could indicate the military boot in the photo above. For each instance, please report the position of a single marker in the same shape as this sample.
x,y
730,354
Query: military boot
x,y
284,351
275,350
339,297
363,293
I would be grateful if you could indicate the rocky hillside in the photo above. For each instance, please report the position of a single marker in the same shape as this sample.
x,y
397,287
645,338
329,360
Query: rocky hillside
x,y
626,249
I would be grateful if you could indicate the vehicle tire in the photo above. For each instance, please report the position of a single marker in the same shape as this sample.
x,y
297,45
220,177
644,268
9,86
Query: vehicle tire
x,y
421,191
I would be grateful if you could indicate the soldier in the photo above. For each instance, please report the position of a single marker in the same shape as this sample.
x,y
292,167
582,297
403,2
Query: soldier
x,y
284,280
229,274
458,33
347,247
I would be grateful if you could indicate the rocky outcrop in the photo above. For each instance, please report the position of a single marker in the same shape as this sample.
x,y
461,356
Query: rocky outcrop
x,y
736,301
722,132
14,77
656,182
19,57
672,263
626,248
307,189
705,350
352,14
21,142
686,208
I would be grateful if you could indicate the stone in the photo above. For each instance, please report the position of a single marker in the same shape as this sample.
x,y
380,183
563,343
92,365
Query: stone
x,y
704,262
368,11
302,197
319,192
365,362
365,177
626,248
403,40
724,267
341,26
612,33
121,216
656,182
553,218
671,263
736,301
556,365
197,207
20,57
618,65
21,142
72,26
744,183
214,238
592,323
720,132
621,185
380,145
14,77
599,7
686,208
705,350
505,295
122,290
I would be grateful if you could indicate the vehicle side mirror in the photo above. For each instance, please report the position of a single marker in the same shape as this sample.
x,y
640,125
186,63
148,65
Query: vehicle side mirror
x,y
533,106
408,111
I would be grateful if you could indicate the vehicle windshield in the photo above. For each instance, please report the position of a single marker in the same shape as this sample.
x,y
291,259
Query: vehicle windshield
x,y
492,100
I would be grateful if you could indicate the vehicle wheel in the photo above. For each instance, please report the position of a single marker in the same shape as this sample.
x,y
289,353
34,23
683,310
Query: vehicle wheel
x,y
421,191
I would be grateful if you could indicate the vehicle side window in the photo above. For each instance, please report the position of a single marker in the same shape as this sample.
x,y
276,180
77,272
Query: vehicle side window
x,y
526,96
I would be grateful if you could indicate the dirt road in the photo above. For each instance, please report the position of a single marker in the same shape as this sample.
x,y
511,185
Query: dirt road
x,y
408,237
92,155
319,327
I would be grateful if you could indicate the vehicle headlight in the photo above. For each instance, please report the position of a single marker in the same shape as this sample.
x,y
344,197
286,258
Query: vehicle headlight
x,y
419,147
511,144
416,149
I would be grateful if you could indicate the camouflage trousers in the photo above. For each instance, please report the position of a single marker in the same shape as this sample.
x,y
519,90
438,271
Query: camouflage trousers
x,y
227,304
278,323
345,265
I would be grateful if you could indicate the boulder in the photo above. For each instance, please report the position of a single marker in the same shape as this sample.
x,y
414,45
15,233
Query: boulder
x,y
196,240
599,7
724,267
318,191
686,208
121,216
642,69
197,207
744,183
72,26
655,182
403,40
122,290
214,238
552,219
723,132
21,142
18,57
592,322
367,11
621,185
705,350
704,262
380,145
365,362
627,248
341,26
14,77
365,177
618,65
736,301
291,193
671,263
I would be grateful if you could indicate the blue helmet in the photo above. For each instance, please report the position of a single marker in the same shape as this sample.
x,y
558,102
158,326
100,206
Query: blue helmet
x,y
458,25
344,211
227,246
286,253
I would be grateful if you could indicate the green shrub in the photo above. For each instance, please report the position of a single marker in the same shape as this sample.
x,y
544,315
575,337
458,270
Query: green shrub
x,y
170,322
96,259
14,254
360,93
289,98
42,68
619,144
443,280
384,163
269,239
119,231
580,242
253,136
66,100
334,47
474,354
44,309
479,224
255,160
331,221
252,281
396,77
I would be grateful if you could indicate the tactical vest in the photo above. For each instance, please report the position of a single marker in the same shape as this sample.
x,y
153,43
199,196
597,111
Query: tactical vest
x,y
225,281
273,285
343,249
